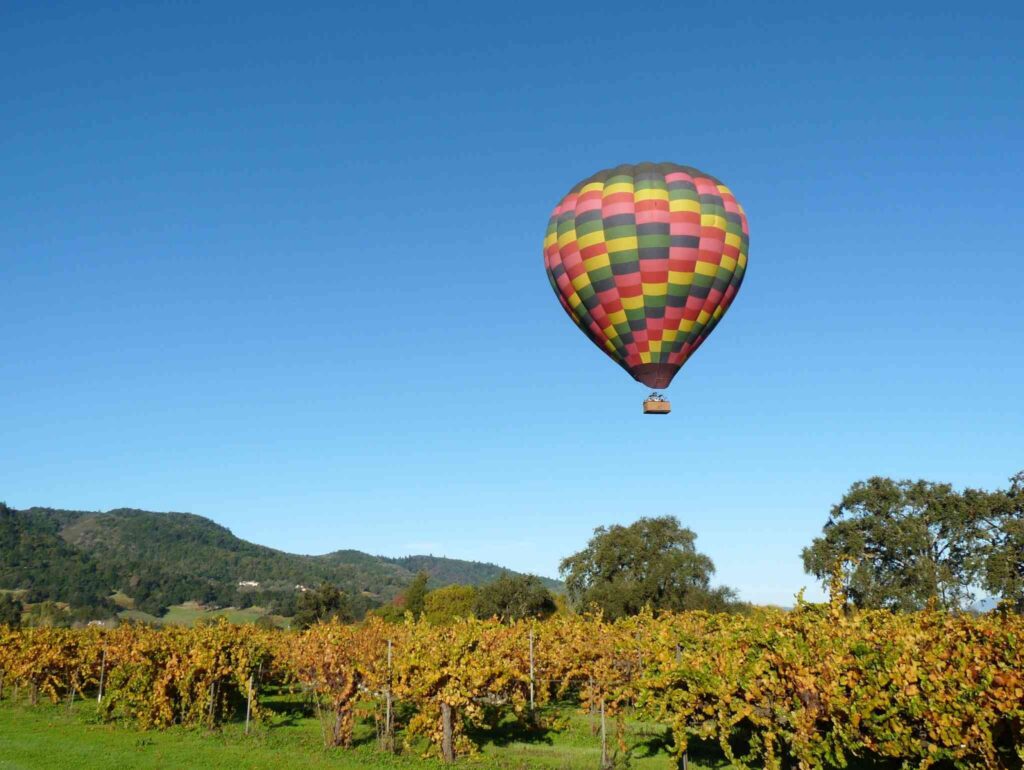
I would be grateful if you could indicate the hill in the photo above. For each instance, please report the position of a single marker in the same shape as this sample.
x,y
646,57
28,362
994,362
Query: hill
x,y
160,559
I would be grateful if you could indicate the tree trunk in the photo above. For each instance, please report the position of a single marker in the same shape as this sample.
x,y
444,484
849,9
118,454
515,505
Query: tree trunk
x,y
336,737
447,738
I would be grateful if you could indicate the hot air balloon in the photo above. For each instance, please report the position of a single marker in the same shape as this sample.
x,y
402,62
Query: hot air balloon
x,y
646,259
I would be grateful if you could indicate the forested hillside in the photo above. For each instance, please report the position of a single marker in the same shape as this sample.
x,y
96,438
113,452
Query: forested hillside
x,y
160,559
456,571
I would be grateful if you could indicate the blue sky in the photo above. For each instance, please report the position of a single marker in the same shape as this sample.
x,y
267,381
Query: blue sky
x,y
281,267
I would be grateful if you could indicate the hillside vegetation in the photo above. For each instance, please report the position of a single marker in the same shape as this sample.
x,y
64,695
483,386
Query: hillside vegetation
x,y
164,559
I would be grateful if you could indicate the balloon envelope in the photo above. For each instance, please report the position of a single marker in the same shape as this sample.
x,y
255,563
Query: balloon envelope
x,y
646,259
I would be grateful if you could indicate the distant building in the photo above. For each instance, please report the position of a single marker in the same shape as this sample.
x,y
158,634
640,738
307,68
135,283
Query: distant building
x,y
300,587
249,583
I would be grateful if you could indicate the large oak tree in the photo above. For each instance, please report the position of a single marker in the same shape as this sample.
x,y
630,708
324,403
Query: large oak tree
x,y
650,563
902,544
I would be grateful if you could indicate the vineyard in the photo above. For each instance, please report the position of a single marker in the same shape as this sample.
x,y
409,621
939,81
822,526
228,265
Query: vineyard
x,y
820,686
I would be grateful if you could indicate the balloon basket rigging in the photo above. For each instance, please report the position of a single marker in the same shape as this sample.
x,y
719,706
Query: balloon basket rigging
x,y
657,404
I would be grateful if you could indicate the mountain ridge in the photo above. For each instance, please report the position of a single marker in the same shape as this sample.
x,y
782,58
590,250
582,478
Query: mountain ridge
x,y
164,558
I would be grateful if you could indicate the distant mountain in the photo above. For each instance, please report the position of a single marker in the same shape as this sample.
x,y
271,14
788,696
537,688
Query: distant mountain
x,y
160,559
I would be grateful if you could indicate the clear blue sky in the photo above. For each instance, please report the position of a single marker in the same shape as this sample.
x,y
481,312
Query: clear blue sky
x,y
281,267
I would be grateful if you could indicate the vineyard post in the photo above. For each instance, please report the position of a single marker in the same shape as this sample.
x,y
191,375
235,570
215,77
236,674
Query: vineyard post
x,y
388,739
248,705
447,749
103,670
604,740
592,708
531,670
211,704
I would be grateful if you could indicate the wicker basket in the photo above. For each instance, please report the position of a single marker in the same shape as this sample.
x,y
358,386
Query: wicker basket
x,y
653,406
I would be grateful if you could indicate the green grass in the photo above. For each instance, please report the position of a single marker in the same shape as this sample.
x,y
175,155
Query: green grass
x,y
139,615
575,744
123,600
187,614
47,736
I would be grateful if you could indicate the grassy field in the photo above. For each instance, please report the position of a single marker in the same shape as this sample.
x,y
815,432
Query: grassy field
x,y
47,736
188,613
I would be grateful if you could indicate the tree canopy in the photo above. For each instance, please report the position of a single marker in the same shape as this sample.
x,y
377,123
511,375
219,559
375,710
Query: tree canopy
x,y
1002,546
514,597
416,594
320,605
445,604
10,611
650,563
902,544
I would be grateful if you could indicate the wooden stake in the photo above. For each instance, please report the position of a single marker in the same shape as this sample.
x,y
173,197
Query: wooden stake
x,y
211,703
447,747
103,670
595,723
248,705
531,669
604,740
387,742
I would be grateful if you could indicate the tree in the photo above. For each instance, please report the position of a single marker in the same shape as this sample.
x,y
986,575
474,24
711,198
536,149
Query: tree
x,y
390,613
320,605
1002,549
513,597
10,611
650,563
284,604
900,544
46,615
445,604
265,622
416,594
